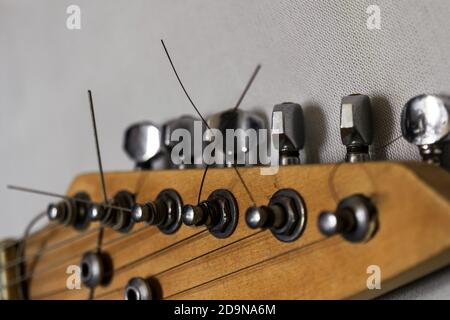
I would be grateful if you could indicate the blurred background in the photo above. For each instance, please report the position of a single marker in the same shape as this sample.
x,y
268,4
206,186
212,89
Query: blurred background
x,y
312,52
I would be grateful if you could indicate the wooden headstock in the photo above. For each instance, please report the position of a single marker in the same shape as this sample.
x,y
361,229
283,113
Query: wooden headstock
x,y
412,200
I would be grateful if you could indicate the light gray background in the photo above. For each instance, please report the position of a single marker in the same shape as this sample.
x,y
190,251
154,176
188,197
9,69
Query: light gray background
x,y
312,52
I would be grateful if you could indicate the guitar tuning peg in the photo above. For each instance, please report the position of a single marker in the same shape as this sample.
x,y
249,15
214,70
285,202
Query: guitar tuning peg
x,y
356,127
143,144
285,215
219,214
188,128
71,212
117,215
425,122
288,125
355,219
165,212
245,148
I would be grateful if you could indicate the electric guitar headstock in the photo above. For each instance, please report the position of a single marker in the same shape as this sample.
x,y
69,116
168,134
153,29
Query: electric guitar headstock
x,y
184,226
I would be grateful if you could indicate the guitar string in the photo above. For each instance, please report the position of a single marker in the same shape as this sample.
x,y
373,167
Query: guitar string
x,y
102,180
62,262
241,98
331,182
389,143
247,87
181,84
100,167
123,268
245,186
251,266
47,228
202,183
56,195
52,247
331,186
21,246
157,252
238,104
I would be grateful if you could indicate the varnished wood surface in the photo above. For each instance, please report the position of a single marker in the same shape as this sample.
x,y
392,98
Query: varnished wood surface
x,y
413,239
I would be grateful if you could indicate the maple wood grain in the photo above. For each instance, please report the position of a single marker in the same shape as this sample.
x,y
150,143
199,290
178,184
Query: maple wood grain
x,y
413,239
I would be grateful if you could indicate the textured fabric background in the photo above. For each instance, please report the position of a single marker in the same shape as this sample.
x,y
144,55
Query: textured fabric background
x,y
312,52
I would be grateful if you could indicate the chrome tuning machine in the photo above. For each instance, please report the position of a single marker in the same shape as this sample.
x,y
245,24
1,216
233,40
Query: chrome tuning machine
x,y
356,127
190,130
219,213
245,141
355,218
288,126
71,212
425,123
285,215
143,143
164,212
